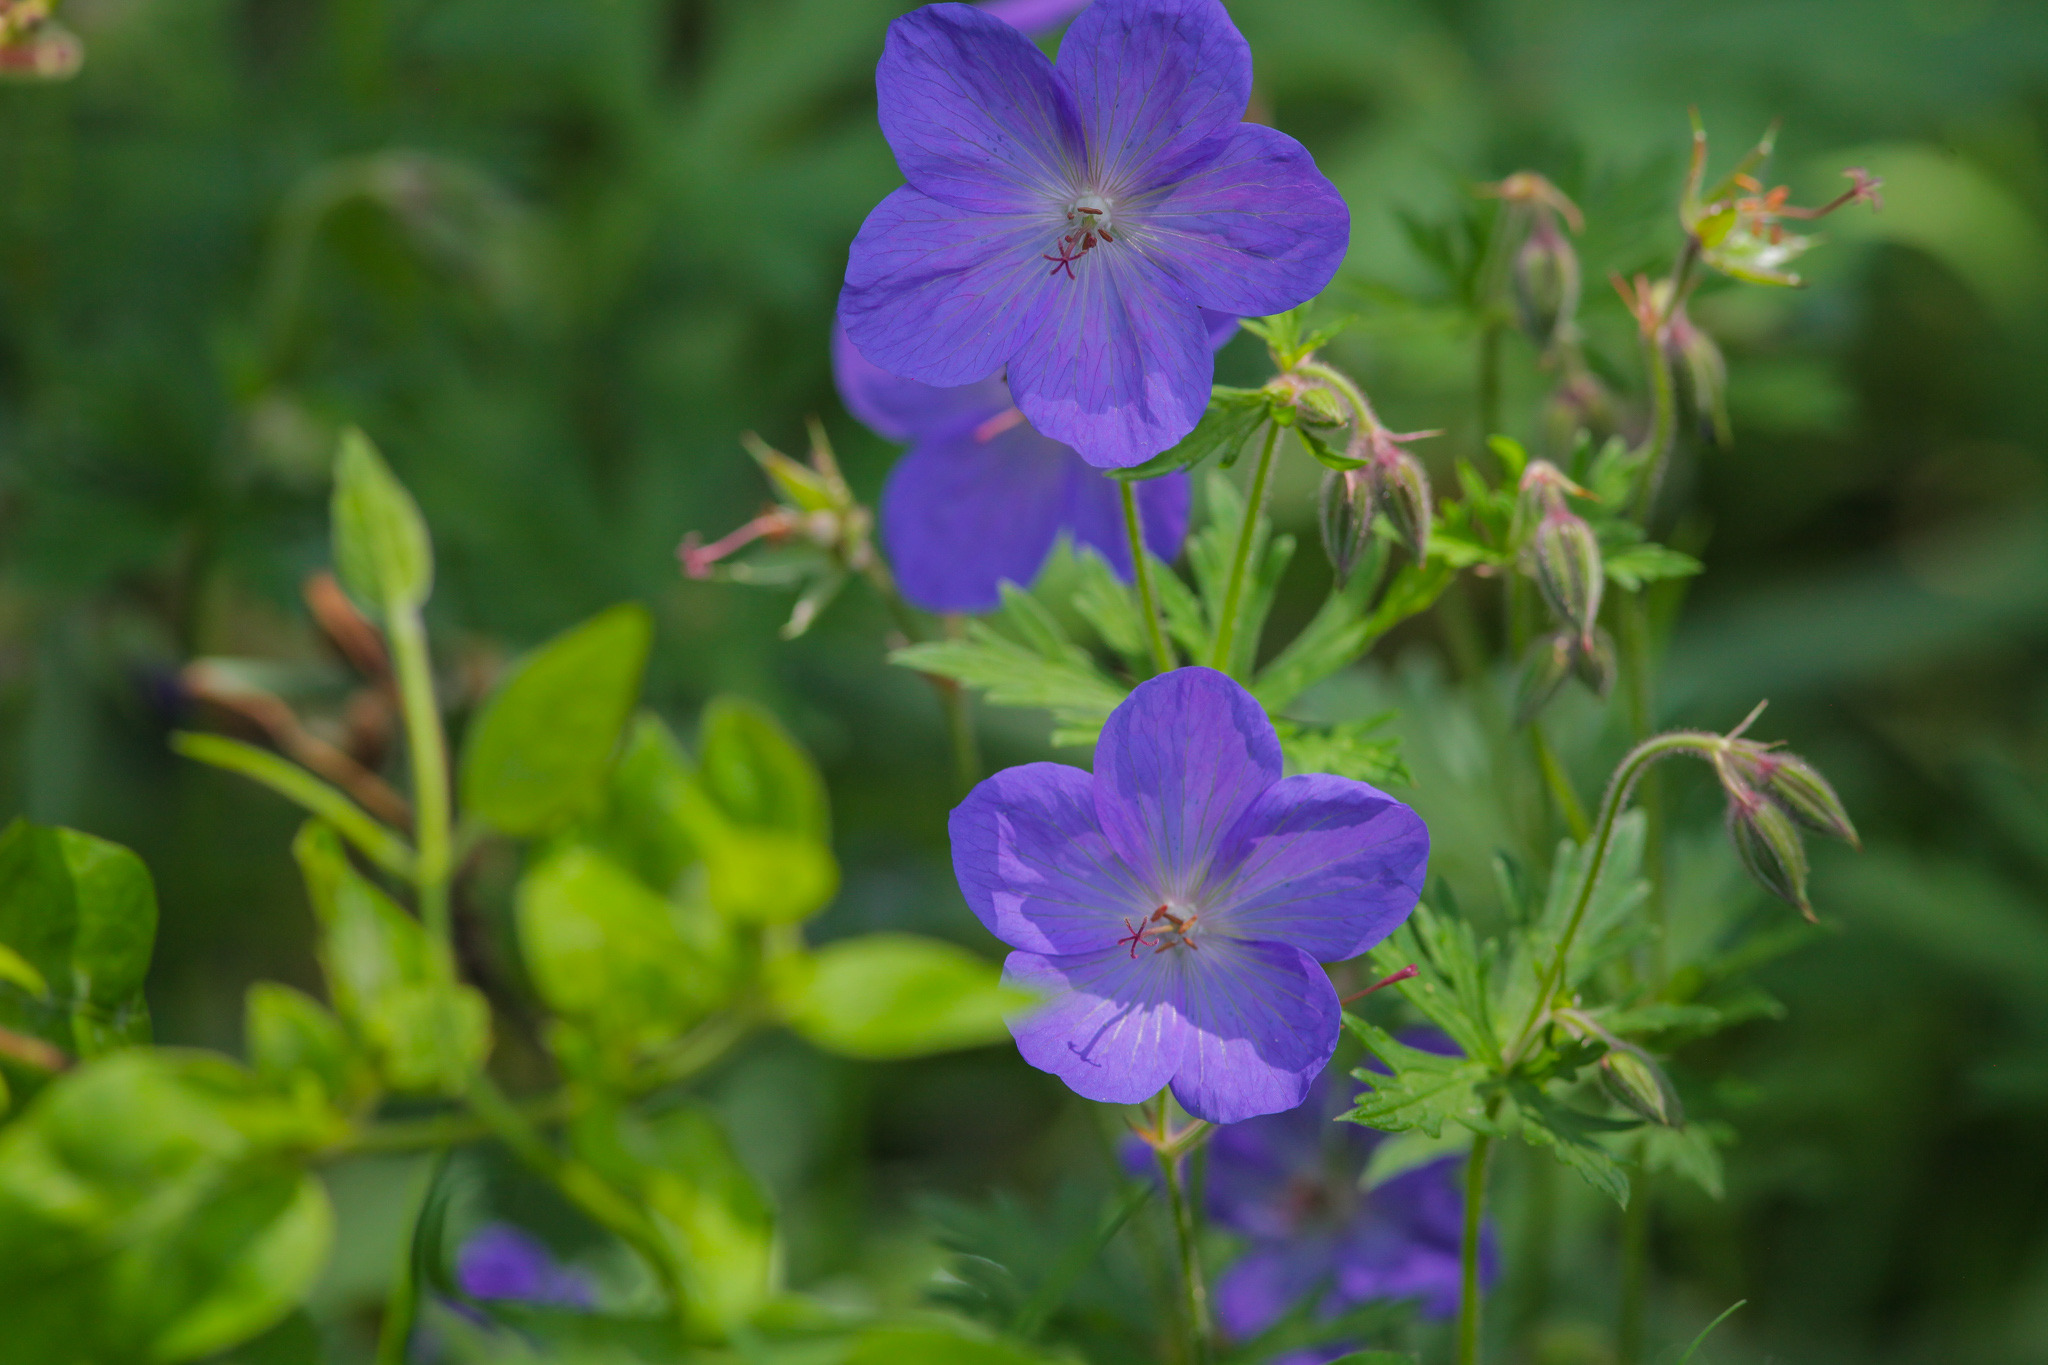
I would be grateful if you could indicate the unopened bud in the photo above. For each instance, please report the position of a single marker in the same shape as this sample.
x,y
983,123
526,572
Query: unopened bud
x,y
1797,785
1546,281
1344,512
1568,569
1767,842
1403,494
1637,1083
1547,665
1706,375
1594,663
1318,407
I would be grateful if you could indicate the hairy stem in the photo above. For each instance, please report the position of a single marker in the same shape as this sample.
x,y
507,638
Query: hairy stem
x,y
1233,593
1193,1287
432,833
1468,1249
1162,653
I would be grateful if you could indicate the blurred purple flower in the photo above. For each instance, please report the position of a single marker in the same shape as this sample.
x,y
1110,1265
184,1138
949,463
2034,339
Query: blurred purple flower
x,y
501,1262
981,497
1288,1183
1172,908
1067,223
1033,16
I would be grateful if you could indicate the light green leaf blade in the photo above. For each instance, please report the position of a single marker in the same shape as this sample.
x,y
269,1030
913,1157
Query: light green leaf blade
x,y
382,551
896,995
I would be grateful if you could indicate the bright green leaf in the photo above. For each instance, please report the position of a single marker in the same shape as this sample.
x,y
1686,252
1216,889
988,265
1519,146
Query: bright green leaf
x,y
291,1035
757,773
381,548
644,823
540,750
757,876
896,995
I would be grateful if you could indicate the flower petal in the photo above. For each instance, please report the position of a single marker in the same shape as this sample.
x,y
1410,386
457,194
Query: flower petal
x,y
975,114
961,515
1405,1243
1108,1026
905,409
1033,16
1159,86
1095,515
1115,361
1327,864
1179,763
1222,328
1268,1280
1256,231
1034,867
939,294
1255,1167
1263,1021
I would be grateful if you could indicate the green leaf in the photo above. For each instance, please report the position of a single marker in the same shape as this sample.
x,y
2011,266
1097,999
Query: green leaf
x,y
766,876
427,1031
1078,694
1425,1091
935,1344
1213,549
1692,1152
1572,1137
152,1210
645,821
381,548
80,915
293,1038
712,1216
1411,1151
757,773
21,972
1336,636
605,952
896,995
540,750
1227,423
1111,607
1348,750
1649,563
1452,985
379,844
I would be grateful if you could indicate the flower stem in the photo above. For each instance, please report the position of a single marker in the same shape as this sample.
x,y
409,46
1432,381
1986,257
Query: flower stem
x,y
1162,653
1192,1284
1233,594
1635,1271
429,748
1560,785
1468,1249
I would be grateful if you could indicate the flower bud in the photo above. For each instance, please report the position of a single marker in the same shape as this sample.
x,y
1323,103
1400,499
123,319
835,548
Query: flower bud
x,y
1318,407
1793,783
1706,376
1546,281
1637,1083
1402,489
1568,569
1344,512
1548,663
1594,663
1767,843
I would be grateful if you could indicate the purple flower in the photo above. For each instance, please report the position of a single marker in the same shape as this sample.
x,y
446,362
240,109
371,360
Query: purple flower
x,y
501,1262
1033,16
981,497
1288,1183
1067,223
1171,909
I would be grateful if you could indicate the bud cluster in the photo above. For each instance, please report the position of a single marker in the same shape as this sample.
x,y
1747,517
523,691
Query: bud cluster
x,y
1563,555
1772,797
1386,481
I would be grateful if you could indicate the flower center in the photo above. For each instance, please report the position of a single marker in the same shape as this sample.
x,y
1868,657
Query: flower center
x,y
1087,223
1170,926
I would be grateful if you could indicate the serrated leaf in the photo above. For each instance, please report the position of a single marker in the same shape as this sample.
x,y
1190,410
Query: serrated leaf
x,y
1111,608
1348,750
1649,563
382,551
1077,693
1227,423
1571,1136
1425,1091
1451,984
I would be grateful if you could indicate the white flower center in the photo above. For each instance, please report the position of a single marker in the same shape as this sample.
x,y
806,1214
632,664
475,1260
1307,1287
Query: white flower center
x,y
1088,224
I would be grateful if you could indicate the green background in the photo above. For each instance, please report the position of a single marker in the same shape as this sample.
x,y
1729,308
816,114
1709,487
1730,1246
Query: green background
x,y
556,257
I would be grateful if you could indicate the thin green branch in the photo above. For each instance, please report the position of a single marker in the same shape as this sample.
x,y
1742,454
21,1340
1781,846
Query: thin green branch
x,y
429,750
1148,603
379,843
1233,593
1468,1249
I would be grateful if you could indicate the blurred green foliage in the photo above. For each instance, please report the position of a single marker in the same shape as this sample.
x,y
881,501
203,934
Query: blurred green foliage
x,y
558,256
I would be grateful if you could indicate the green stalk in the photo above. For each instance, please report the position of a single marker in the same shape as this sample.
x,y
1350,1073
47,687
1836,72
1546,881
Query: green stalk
x,y
401,1312
432,832
1192,1284
1559,785
1635,1272
1468,1249
1162,653
1233,594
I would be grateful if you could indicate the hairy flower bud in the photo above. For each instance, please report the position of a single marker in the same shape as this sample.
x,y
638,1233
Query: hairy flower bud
x,y
1637,1083
1344,511
1767,842
1546,281
1568,569
1796,785
1402,489
1318,407
1706,375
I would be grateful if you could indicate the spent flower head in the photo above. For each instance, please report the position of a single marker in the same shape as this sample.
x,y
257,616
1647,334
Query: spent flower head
x,y
1171,909
981,498
1066,223
1739,225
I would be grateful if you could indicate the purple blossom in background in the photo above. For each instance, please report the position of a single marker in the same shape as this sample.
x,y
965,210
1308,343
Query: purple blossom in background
x,y
981,497
1066,224
1288,1183
1033,16
501,1262
1171,909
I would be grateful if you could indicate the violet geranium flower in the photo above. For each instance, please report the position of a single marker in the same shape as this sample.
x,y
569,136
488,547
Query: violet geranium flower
x,y
1067,223
981,497
1288,1183
1171,909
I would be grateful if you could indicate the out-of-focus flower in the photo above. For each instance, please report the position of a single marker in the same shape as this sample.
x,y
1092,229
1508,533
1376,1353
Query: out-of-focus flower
x,y
35,46
1067,223
500,1262
1172,908
1739,225
981,497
